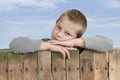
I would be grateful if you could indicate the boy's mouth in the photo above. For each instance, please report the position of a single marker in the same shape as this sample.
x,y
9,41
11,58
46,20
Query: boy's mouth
x,y
55,38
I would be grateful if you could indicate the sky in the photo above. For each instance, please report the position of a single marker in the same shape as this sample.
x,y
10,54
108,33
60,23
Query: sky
x,y
36,18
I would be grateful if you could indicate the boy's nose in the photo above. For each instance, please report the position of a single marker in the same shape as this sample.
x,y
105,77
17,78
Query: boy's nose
x,y
60,34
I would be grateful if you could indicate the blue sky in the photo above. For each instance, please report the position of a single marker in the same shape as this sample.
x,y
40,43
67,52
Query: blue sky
x,y
36,18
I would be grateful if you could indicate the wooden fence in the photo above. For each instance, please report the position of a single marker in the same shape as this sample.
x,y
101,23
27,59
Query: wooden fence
x,y
45,65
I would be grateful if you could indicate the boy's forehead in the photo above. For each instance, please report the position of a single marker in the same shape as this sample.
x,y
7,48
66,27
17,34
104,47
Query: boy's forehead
x,y
67,22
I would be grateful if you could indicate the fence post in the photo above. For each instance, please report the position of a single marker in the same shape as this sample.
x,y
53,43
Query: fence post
x,y
44,65
86,65
58,67
3,66
114,64
72,66
101,66
15,66
30,66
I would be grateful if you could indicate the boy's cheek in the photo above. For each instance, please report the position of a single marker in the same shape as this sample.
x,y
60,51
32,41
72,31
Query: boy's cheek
x,y
52,36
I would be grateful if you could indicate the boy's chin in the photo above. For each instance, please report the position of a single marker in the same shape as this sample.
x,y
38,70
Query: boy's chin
x,y
58,39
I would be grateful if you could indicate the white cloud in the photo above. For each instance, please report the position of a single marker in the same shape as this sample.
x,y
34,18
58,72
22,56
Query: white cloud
x,y
117,44
14,4
113,3
108,3
98,21
33,28
103,19
23,26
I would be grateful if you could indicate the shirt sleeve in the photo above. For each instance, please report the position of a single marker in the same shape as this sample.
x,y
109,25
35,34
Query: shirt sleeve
x,y
24,45
98,43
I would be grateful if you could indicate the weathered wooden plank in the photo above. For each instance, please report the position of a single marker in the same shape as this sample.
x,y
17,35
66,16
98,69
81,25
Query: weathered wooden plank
x,y
58,67
3,66
44,65
72,66
86,65
15,67
101,66
114,65
37,66
30,66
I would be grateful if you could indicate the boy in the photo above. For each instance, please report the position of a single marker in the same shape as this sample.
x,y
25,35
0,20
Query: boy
x,y
66,35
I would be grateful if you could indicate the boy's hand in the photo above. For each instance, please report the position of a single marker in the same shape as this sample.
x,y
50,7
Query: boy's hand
x,y
53,47
60,49
69,43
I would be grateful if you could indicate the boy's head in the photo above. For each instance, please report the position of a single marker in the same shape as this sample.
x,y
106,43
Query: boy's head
x,y
71,24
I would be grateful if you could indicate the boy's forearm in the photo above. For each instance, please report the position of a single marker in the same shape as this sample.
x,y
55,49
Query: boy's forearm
x,y
80,42
24,45
98,43
45,45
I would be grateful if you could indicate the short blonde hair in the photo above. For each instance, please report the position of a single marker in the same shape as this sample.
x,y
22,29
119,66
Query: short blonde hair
x,y
76,17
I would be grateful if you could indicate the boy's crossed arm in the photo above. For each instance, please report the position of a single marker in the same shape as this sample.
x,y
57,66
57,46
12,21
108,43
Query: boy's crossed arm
x,y
62,46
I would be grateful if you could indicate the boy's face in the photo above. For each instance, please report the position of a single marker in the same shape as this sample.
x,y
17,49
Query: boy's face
x,y
64,30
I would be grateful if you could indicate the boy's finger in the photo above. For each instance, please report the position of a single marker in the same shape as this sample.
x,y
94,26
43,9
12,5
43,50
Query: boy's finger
x,y
67,53
71,48
63,53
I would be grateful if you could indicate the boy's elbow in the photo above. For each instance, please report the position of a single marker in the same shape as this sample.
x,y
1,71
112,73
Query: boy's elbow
x,y
110,46
24,45
16,45
13,46
107,45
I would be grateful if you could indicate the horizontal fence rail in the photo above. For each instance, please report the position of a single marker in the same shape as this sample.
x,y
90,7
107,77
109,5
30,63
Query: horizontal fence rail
x,y
47,65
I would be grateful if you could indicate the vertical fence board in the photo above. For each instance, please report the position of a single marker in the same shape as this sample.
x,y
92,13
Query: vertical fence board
x,y
15,67
72,66
86,65
3,66
58,67
114,64
100,66
30,66
44,65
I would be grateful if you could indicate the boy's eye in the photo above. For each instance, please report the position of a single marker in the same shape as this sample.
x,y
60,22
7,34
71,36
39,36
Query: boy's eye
x,y
59,27
67,33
